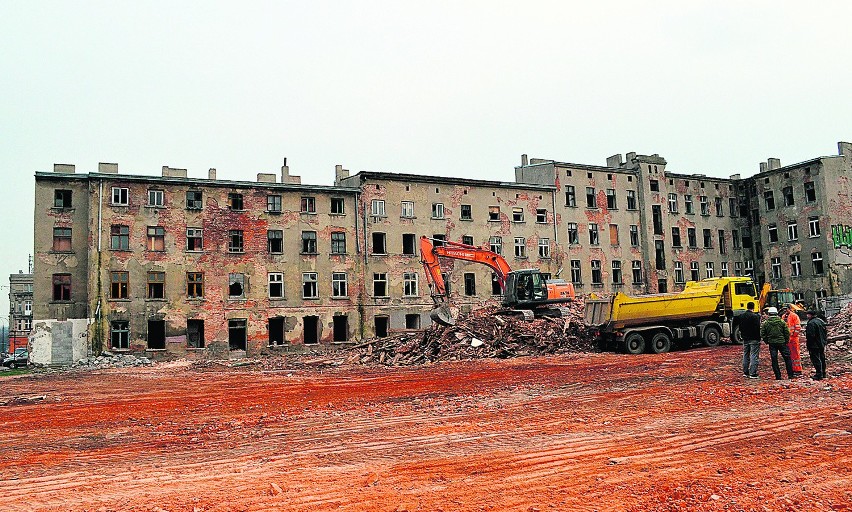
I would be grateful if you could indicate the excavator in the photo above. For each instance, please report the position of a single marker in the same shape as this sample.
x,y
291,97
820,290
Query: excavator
x,y
777,299
525,292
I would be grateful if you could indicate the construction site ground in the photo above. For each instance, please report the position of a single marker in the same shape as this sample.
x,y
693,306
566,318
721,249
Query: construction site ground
x,y
589,431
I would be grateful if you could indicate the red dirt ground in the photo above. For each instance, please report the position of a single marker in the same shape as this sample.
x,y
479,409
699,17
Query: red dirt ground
x,y
676,431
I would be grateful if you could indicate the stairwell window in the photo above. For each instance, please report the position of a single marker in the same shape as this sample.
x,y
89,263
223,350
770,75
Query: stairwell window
x,y
195,285
570,196
309,242
469,284
672,203
769,200
631,200
194,239
810,192
591,198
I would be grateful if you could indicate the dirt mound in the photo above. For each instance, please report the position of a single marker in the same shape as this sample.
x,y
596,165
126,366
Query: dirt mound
x,y
489,332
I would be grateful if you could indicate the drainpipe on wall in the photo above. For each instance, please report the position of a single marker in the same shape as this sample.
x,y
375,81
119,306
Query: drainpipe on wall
x,y
555,234
96,341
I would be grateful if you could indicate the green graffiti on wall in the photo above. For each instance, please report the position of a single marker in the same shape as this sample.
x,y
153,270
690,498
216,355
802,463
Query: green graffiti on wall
x,y
842,236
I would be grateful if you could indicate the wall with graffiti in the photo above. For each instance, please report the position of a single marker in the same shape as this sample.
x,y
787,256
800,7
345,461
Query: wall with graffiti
x,y
841,237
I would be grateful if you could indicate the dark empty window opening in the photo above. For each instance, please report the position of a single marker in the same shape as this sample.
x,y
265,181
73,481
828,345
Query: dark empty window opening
x,y
276,331
408,244
496,288
62,199
193,200
412,321
237,334
156,334
382,325
466,212
340,326
235,201
439,239
311,334
61,287
275,241
655,186
236,286
469,284
379,246
337,206
195,333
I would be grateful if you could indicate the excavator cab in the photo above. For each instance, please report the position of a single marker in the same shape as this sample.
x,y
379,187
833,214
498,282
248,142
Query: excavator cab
x,y
524,287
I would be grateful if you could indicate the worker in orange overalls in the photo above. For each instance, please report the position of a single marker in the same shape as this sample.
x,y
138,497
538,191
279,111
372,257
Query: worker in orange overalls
x,y
795,325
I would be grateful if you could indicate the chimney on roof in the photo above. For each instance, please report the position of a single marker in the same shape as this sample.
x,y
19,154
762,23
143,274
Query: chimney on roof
x,y
762,166
339,174
265,177
844,149
211,174
735,177
171,172
614,161
774,163
107,168
285,175
63,168
524,160
629,157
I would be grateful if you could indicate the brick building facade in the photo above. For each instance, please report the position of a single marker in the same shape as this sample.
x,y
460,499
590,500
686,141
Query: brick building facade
x,y
207,267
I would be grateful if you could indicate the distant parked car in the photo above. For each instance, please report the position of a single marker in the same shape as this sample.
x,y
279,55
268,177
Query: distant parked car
x,y
20,358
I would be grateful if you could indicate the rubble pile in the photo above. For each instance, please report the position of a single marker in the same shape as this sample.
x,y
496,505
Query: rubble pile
x,y
110,360
840,327
489,332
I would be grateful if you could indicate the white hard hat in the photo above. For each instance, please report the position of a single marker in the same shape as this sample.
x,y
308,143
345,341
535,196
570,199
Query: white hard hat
x,y
772,310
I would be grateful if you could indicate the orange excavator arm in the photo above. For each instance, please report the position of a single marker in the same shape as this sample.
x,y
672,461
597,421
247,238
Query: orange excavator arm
x,y
429,254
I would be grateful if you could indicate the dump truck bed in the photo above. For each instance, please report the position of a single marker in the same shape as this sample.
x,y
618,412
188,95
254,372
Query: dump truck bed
x,y
698,300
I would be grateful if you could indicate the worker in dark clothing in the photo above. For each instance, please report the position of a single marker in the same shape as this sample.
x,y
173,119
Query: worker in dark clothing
x,y
816,338
750,332
775,332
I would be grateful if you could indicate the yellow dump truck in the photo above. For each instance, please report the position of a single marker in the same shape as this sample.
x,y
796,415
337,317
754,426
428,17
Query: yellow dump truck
x,y
704,311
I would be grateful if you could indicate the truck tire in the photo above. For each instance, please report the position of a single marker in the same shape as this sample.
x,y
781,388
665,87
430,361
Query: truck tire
x,y
712,336
634,343
661,342
736,336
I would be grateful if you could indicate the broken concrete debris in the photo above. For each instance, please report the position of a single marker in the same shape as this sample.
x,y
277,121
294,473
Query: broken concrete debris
x,y
110,360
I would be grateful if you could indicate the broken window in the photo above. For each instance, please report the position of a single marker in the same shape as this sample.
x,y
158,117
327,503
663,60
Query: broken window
x,y
735,238
813,227
407,210
675,236
496,244
466,212
409,284
379,246
380,284
773,232
194,239
691,238
119,239
469,284
637,272
631,199
520,247
738,268
237,334
437,210
439,239
119,334
337,206
718,203
796,265
789,200
616,272
412,321
275,241
517,215
377,208
339,285
61,198
657,218
678,273
467,240
496,287
792,231
655,185
235,240
338,242
236,286
156,238
195,284
769,200
705,205
573,235
308,204
408,244
275,327
120,196
494,213
544,248
276,285
156,285
193,200
273,203
591,199
156,198
570,196
810,192
672,203
541,216
732,206
576,272
662,285
693,271
816,259
723,245
596,272
708,238
659,255
340,327
118,285
309,285
62,239
687,204
235,201
594,238
195,333
61,287
156,334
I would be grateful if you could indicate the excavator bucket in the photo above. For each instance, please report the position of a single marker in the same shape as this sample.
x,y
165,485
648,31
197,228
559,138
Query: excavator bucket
x,y
441,315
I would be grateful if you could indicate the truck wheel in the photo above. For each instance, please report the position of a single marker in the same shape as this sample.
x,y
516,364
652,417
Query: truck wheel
x,y
736,336
712,336
634,343
660,343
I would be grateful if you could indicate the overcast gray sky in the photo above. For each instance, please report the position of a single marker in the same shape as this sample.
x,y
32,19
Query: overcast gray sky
x,y
454,88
